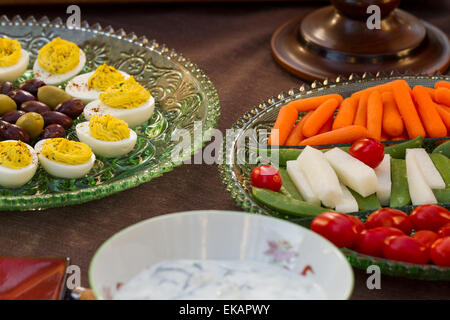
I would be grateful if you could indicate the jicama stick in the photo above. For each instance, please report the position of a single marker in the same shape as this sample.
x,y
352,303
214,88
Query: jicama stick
x,y
431,119
407,109
283,125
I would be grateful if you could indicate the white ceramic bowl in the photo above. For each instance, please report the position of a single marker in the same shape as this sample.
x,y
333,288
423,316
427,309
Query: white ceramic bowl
x,y
219,235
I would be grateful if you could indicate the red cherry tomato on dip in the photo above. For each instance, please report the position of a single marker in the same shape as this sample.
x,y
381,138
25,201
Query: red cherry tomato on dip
x,y
336,227
440,252
429,217
387,217
425,237
266,177
368,150
370,242
406,249
444,231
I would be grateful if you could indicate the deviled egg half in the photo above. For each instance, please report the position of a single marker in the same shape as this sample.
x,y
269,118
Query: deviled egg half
x,y
127,101
13,59
58,61
88,86
18,163
65,158
107,136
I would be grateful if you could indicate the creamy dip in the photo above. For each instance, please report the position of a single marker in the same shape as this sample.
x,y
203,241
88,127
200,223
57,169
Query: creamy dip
x,y
218,279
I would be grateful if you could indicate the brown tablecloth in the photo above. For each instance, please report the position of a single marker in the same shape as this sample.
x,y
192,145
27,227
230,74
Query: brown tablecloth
x,y
231,43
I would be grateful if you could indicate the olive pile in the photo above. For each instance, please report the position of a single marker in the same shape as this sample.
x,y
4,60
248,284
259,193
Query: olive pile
x,y
36,111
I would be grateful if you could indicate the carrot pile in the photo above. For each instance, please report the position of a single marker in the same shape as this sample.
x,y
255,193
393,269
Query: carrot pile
x,y
390,111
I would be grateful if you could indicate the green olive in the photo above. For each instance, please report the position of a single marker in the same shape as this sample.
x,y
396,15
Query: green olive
x,y
6,104
52,96
32,123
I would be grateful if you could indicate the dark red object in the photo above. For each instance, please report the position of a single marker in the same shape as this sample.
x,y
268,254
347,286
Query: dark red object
x,y
337,227
425,237
387,217
368,150
32,278
440,252
266,177
406,249
429,217
370,242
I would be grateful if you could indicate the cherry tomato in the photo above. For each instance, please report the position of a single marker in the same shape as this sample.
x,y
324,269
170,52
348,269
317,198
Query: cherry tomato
x,y
370,241
406,249
429,217
444,231
266,177
336,227
387,217
425,237
368,150
440,252
359,224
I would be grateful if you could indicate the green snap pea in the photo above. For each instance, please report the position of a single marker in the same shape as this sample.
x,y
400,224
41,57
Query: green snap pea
x,y
366,203
288,188
443,149
442,195
398,151
286,205
399,190
442,164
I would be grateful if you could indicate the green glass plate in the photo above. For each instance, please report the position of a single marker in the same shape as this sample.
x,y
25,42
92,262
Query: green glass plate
x,y
253,127
184,96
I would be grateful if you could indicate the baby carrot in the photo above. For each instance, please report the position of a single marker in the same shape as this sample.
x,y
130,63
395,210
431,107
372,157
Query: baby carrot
x,y
407,109
431,119
444,112
320,117
308,104
442,96
327,126
442,84
296,134
403,136
374,115
392,120
346,113
381,88
431,92
347,134
283,125
361,113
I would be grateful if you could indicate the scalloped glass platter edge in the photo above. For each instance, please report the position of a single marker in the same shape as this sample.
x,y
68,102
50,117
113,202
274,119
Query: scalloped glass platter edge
x,y
183,95
236,176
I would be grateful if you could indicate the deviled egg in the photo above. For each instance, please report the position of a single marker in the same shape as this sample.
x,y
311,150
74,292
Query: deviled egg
x,y
18,163
13,59
88,86
65,158
58,61
127,100
107,136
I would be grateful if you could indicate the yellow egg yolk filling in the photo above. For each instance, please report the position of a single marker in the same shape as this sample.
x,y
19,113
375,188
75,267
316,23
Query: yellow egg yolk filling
x,y
14,155
108,128
104,77
127,94
66,151
10,52
59,56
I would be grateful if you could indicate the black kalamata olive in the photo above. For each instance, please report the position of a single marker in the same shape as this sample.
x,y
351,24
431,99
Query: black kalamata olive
x,y
53,131
6,87
12,132
32,86
35,106
20,96
53,117
72,107
12,116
